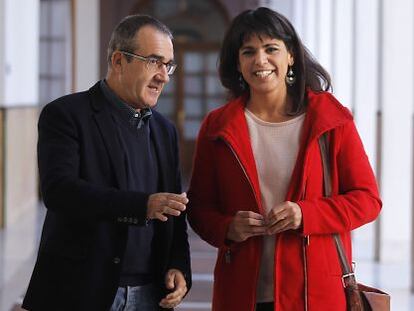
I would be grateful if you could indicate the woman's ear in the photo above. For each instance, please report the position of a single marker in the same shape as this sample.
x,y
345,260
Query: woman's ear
x,y
291,60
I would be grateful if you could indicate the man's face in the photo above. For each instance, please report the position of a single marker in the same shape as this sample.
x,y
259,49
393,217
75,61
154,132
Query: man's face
x,y
140,84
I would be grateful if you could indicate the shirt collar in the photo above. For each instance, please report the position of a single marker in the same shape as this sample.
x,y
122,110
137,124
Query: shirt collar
x,y
137,119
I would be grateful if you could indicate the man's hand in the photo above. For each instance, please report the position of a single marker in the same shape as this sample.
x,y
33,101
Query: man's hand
x,y
285,216
174,280
164,203
244,225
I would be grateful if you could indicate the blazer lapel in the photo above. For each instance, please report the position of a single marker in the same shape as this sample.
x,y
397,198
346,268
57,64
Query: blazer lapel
x,y
107,128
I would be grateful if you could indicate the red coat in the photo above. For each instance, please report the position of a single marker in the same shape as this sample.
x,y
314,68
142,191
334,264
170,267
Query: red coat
x,y
307,270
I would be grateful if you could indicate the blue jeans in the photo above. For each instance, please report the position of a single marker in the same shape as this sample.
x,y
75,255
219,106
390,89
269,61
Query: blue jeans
x,y
139,298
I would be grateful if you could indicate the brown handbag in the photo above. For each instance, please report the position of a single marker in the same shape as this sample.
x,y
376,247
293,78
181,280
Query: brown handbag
x,y
359,297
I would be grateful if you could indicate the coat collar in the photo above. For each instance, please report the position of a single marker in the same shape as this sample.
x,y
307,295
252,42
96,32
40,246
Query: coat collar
x,y
323,113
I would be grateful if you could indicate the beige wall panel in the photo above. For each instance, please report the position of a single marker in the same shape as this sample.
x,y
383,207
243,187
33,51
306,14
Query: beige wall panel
x,y
21,178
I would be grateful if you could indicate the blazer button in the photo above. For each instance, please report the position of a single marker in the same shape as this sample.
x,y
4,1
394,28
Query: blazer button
x,y
117,260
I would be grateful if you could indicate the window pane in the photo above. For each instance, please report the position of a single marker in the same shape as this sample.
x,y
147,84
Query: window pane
x,y
44,9
212,62
57,89
164,8
54,49
60,18
43,92
214,86
44,57
193,85
169,87
193,107
57,59
193,62
214,103
165,105
191,129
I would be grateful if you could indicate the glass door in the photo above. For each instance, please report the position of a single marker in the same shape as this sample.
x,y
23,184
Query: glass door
x,y
198,91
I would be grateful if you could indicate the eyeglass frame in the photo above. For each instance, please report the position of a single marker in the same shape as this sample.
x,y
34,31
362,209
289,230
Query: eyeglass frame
x,y
147,59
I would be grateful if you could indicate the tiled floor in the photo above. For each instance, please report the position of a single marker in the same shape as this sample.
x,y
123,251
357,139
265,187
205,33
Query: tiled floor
x,y
18,246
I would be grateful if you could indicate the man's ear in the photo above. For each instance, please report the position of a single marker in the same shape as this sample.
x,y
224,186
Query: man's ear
x,y
116,61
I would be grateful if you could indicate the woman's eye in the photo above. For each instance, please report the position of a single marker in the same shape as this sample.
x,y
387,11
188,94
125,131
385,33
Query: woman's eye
x,y
247,52
272,50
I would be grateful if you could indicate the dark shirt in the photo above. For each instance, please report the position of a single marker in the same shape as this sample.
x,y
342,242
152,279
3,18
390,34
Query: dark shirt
x,y
142,175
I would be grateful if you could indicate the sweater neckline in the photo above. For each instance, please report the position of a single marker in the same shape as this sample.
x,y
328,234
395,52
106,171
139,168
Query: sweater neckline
x,y
259,121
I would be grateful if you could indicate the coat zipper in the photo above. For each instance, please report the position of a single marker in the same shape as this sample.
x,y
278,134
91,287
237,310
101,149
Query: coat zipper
x,y
227,255
244,171
305,245
306,241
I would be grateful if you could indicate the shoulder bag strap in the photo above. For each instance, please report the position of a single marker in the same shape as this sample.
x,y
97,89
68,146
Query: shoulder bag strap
x,y
348,277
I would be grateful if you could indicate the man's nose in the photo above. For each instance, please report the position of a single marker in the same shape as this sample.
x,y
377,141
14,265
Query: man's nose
x,y
162,75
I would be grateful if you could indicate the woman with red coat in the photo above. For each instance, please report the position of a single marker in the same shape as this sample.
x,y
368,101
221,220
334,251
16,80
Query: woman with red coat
x,y
257,187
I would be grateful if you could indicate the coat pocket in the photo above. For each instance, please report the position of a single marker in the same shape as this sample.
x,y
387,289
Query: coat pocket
x,y
322,256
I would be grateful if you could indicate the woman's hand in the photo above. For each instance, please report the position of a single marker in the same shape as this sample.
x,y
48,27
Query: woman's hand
x,y
246,224
285,216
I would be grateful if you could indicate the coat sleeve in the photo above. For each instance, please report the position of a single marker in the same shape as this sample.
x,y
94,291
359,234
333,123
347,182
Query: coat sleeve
x,y
355,200
63,190
204,212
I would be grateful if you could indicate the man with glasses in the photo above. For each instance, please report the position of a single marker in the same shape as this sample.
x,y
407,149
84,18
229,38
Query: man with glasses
x,y
115,235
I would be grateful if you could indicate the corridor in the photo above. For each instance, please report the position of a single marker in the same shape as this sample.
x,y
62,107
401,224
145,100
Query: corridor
x,y
18,246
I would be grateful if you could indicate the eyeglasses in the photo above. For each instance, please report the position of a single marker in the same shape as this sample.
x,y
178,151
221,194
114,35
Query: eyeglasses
x,y
154,63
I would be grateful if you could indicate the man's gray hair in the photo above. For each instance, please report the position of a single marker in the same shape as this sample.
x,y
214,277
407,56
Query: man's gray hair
x,y
122,38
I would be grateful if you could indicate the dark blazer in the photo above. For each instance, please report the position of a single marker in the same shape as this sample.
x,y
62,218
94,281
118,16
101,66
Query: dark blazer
x,y
83,183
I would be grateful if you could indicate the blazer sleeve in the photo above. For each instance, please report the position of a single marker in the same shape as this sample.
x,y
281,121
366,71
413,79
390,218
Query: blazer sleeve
x,y
204,212
63,191
355,200
180,255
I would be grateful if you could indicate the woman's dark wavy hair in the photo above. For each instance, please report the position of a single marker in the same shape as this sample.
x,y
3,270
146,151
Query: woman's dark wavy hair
x,y
264,21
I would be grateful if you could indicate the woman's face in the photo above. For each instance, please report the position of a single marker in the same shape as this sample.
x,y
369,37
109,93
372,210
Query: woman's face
x,y
263,62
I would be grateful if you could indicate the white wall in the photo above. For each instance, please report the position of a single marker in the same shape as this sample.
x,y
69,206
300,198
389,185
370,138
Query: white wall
x,y
2,47
324,27
342,41
19,61
365,99
308,33
87,44
282,6
397,101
